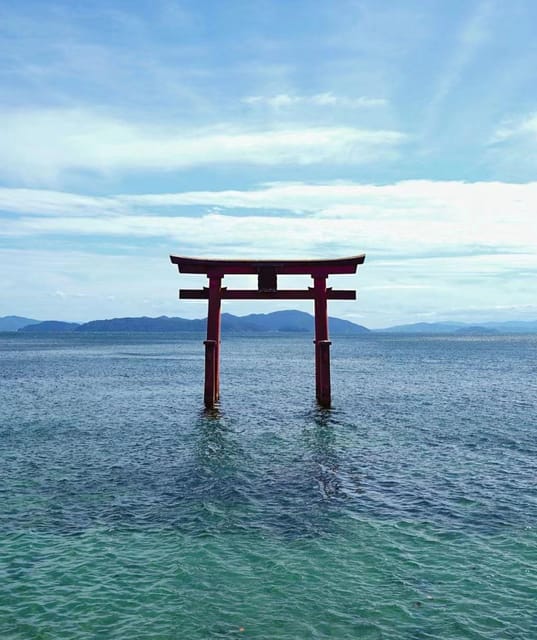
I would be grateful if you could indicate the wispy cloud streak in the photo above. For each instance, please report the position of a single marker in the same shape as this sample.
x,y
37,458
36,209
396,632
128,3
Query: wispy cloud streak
x,y
38,146
327,99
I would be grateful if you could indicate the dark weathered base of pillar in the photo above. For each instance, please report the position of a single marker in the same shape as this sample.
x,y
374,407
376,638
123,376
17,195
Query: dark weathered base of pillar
x,y
210,395
322,372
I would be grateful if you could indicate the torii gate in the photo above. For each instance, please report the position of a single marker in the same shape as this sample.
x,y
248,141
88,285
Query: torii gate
x,y
267,272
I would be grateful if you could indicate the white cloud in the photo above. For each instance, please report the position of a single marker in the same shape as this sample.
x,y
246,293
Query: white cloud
x,y
328,99
38,146
525,128
422,217
53,203
407,200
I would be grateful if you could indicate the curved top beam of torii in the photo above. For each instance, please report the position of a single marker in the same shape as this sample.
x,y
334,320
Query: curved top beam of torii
x,y
284,267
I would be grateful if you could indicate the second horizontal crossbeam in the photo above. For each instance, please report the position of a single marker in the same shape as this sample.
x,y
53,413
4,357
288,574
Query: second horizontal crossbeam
x,y
256,294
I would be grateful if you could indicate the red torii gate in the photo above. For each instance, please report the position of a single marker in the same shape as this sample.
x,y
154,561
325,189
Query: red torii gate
x,y
267,272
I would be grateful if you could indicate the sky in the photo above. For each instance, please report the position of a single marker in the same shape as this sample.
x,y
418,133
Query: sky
x,y
406,130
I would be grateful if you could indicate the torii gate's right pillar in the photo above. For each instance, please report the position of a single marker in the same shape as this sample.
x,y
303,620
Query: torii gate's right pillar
x,y
322,343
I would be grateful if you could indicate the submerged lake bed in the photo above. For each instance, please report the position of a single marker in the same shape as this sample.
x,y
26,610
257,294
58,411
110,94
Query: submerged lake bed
x,y
406,511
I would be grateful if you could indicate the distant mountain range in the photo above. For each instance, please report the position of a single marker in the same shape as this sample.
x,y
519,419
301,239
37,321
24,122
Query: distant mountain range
x,y
14,323
278,321
50,326
529,326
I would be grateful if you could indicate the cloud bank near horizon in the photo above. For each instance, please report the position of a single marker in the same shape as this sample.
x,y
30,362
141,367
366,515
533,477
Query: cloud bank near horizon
x,y
425,240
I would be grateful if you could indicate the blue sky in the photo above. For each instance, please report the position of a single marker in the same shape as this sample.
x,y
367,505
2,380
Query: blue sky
x,y
405,130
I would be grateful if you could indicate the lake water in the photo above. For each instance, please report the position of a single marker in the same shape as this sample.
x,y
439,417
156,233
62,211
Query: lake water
x,y
408,511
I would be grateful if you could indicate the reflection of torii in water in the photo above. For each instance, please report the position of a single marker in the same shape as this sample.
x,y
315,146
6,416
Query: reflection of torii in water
x,y
267,272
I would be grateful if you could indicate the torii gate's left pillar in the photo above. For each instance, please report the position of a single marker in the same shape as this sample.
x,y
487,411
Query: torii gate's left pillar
x,y
212,343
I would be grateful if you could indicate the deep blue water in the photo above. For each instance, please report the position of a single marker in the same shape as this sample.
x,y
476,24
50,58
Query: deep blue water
x,y
407,511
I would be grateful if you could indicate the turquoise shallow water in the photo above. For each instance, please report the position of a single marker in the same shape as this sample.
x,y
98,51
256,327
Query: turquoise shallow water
x,y
408,511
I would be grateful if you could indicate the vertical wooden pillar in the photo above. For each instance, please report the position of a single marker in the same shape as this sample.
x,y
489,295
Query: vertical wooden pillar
x,y
322,343
212,344
209,395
